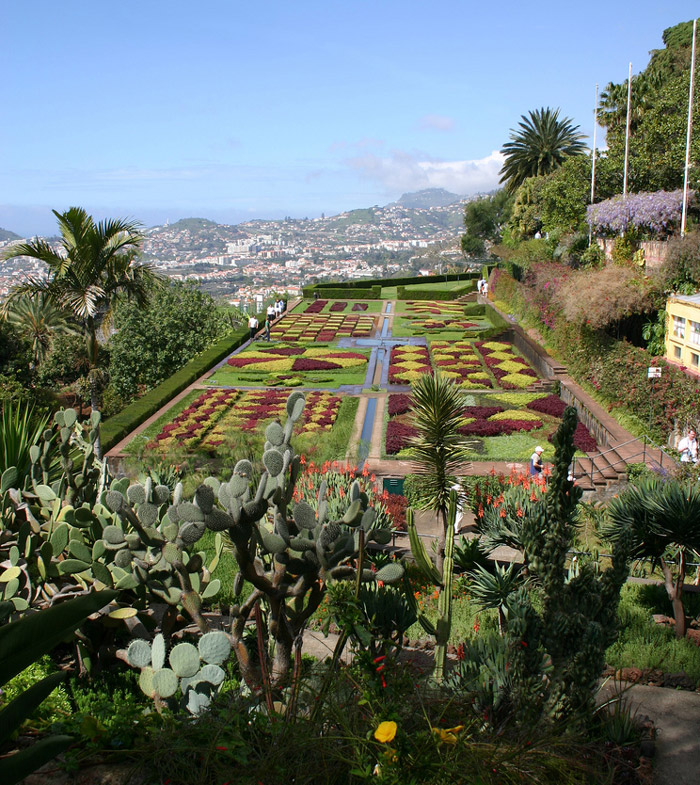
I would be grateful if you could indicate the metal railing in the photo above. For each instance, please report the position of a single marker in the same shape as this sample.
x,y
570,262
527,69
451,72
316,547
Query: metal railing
x,y
648,453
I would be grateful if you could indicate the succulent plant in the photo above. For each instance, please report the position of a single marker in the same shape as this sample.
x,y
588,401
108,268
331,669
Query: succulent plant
x,y
194,670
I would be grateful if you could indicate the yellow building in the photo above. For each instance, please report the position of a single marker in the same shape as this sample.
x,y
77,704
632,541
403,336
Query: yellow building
x,y
683,331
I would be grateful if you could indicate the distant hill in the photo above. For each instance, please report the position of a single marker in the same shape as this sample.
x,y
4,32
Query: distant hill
x,y
193,224
428,197
7,235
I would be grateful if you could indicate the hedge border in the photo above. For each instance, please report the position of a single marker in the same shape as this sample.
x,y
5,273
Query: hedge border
x,y
372,282
337,291
114,429
434,294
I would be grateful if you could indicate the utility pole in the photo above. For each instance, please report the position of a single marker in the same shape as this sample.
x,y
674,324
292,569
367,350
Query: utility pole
x,y
690,125
627,131
595,131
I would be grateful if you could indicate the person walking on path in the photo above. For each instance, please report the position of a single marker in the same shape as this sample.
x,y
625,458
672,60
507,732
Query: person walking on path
x,y
252,326
268,324
688,448
536,464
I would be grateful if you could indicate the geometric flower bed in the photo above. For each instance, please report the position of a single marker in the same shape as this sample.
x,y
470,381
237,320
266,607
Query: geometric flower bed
x,y
554,406
316,306
321,327
408,363
295,358
510,370
337,306
458,360
479,421
440,324
436,307
216,414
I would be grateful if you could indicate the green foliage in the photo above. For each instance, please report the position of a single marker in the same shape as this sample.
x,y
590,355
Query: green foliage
x,y
484,220
654,333
404,293
526,219
624,249
20,428
23,642
659,116
680,271
119,425
542,144
65,363
152,342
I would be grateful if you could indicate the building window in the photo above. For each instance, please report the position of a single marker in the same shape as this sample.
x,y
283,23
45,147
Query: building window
x,y
694,332
695,360
677,352
679,327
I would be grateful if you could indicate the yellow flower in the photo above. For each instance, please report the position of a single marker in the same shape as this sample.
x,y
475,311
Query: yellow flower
x,y
386,731
448,735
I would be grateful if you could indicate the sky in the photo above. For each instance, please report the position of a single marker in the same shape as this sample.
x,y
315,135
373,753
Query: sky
x,y
233,110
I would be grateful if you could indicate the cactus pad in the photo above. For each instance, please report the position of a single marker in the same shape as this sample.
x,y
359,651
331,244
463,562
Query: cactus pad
x,y
274,462
274,433
161,494
205,498
217,520
139,653
191,532
113,536
158,652
146,681
304,515
295,405
212,674
244,467
184,660
123,559
165,682
390,573
114,501
197,702
214,647
136,494
189,512
148,514
238,485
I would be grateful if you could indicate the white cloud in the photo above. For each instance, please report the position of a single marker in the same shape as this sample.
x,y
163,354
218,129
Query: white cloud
x,y
436,122
402,171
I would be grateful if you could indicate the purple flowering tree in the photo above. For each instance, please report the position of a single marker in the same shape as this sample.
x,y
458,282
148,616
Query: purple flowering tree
x,y
657,212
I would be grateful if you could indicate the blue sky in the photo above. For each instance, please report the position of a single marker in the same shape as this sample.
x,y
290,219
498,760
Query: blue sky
x,y
231,110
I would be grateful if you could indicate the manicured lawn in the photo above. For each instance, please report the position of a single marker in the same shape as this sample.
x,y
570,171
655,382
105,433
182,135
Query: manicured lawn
x,y
441,286
447,328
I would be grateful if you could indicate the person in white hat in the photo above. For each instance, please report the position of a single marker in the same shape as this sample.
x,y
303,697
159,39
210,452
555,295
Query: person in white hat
x,y
536,464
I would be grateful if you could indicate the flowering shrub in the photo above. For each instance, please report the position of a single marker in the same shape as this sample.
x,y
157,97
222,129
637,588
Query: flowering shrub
x,y
510,496
390,508
656,212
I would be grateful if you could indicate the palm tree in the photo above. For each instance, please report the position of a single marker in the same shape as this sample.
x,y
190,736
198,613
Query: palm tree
x,y
438,451
39,320
663,520
95,266
540,146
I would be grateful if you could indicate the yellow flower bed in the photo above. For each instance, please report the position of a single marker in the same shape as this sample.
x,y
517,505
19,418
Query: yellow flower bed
x,y
512,366
496,346
518,379
516,414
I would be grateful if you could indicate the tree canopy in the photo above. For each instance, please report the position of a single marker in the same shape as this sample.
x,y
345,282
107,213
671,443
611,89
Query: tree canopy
x,y
540,145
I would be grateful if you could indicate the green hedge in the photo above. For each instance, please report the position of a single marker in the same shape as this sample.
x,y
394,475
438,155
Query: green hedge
x,y
337,291
433,294
117,427
372,282
475,309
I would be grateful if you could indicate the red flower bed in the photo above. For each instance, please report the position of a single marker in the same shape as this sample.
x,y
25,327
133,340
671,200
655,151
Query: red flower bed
x,y
482,412
313,365
359,307
399,403
582,439
398,435
498,427
338,306
552,405
316,306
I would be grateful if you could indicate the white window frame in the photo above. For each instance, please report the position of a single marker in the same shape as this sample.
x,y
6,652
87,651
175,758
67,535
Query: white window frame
x,y
679,327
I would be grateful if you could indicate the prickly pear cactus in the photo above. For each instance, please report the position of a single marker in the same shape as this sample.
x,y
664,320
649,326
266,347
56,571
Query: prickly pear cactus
x,y
195,672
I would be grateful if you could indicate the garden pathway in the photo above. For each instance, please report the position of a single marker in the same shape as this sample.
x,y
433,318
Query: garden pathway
x,y
676,717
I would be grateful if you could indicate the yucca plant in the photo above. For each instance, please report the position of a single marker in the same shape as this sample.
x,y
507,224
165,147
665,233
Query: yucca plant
x,y
20,428
493,590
